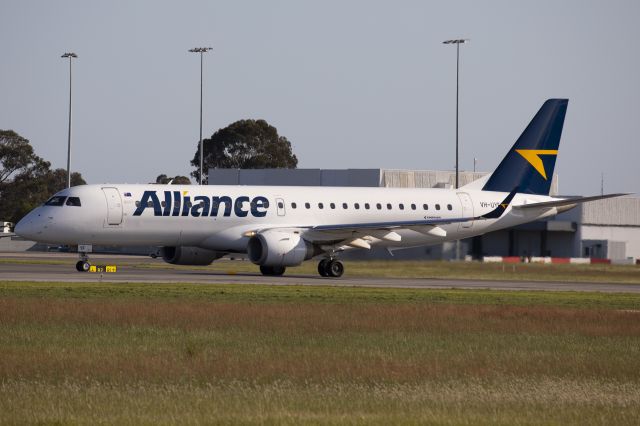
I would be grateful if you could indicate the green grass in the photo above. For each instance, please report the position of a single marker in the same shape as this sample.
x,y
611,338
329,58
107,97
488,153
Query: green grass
x,y
248,293
123,353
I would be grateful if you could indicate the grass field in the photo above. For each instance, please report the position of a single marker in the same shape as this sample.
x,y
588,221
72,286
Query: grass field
x,y
178,353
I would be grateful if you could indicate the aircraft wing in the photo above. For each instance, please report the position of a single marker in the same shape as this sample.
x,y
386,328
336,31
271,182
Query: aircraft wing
x,y
390,225
567,202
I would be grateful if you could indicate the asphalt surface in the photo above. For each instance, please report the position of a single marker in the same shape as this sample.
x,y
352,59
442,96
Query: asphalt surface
x,y
127,272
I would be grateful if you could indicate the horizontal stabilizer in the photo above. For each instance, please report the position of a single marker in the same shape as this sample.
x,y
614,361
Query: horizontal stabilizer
x,y
567,202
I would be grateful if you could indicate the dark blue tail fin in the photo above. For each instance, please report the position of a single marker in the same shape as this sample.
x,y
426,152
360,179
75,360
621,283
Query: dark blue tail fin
x,y
530,162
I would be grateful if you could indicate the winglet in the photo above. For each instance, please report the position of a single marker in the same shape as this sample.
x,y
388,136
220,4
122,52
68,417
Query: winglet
x,y
502,207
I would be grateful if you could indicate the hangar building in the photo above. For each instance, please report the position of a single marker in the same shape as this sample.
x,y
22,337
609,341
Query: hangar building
x,y
607,229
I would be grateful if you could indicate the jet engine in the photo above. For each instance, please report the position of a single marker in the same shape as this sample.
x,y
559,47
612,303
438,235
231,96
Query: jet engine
x,y
279,248
184,255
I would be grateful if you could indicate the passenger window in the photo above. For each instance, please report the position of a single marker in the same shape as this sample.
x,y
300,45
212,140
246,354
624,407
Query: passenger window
x,y
401,206
413,206
294,205
388,206
437,206
425,206
164,204
320,206
150,204
332,205
345,206
307,205
56,201
280,204
449,207
379,206
357,206
366,206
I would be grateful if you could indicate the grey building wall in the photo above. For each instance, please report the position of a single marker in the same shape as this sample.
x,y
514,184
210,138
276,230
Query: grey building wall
x,y
295,177
623,211
390,178
617,242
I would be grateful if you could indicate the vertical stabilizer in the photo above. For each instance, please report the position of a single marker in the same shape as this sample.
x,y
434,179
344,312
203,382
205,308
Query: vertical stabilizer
x,y
529,164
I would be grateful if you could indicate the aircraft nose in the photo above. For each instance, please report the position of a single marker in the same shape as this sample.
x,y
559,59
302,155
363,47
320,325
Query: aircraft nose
x,y
25,227
21,227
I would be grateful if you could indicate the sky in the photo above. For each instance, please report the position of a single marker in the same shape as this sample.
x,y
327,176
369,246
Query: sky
x,y
351,84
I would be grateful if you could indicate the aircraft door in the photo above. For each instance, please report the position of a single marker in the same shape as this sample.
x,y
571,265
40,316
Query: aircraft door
x,y
467,209
114,206
280,206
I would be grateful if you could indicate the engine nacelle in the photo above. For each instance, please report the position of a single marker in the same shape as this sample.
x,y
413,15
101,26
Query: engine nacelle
x,y
183,255
279,248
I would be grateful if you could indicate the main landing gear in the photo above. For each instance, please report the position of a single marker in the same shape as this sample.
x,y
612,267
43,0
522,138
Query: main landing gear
x,y
326,268
83,264
330,268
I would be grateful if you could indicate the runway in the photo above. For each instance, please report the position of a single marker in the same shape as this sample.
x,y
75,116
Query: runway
x,y
144,269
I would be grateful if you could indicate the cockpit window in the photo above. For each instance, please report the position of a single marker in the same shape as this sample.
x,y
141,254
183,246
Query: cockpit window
x,y
73,201
56,201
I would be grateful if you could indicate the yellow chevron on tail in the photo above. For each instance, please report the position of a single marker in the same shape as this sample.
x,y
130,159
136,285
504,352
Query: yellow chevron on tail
x,y
533,157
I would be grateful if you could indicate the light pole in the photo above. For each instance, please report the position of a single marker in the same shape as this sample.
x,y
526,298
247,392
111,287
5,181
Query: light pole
x,y
457,42
69,55
201,50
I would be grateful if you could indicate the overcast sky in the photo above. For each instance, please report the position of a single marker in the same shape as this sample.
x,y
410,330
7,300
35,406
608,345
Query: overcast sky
x,y
352,84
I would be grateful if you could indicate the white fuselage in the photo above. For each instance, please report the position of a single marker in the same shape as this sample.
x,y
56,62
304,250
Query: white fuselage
x,y
113,214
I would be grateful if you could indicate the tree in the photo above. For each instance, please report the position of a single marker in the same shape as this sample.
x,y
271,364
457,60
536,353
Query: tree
x,y
177,180
245,144
26,180
17,156
57,180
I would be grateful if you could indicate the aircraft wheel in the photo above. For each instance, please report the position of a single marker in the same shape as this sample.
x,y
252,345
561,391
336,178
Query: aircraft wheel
x,y
323,270
82,266
335,268
273,271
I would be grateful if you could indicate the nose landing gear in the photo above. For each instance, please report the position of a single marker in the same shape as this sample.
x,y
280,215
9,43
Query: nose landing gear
x,y
330,268
83,264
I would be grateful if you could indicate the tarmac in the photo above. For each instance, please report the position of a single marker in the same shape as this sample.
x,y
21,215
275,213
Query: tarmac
x,y
129,271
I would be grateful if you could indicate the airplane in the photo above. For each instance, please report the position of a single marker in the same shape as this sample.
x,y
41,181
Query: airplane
x,y
283,226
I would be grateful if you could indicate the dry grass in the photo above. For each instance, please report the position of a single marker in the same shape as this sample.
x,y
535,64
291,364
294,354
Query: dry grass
x,y
470,402
377,342
154,360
